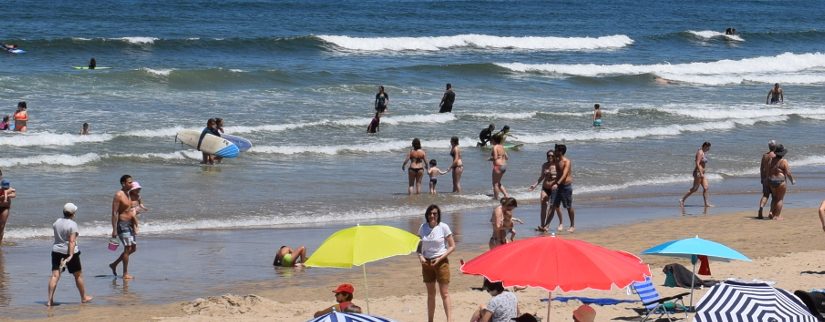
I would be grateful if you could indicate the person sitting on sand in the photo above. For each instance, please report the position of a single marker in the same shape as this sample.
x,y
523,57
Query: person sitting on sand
x,y
502,307
286,257
775,95
343,295
584,313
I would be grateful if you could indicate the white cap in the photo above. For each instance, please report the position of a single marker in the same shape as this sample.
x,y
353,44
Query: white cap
x,y
70,208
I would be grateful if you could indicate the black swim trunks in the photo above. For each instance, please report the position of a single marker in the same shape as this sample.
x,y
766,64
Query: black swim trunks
x,y
564,196
73,265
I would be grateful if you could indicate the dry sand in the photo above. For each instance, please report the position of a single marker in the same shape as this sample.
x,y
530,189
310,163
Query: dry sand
x,y
781,250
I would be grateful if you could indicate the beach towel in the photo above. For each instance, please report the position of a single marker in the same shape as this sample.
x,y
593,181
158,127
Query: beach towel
x,y
602,301
683,276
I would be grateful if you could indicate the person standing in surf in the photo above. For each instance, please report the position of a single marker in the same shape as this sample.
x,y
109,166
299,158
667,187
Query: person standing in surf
x,y
564,186
547,179
382,99
597,115
458,165
6,123
211,128
446,105
66,254
763,176
7,193
778,173
418,163
499,158
124,225
699,178
84,130
21,117
92,63
775,95
375,123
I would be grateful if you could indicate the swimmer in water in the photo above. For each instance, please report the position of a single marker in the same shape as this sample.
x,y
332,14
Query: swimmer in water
x,y
286,257
775,95
597,115
85,129
21,117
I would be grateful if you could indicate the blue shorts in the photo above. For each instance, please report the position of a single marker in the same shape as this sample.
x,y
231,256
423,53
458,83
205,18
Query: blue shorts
x,y
564,196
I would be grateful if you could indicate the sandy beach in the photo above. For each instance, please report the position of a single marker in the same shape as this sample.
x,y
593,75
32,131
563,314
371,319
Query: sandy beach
x,y
781,252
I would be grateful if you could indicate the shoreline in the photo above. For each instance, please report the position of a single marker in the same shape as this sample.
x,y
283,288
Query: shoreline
x,y
761,240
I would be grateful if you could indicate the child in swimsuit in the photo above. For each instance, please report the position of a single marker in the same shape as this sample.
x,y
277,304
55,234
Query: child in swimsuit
x,y
137,201
434,172
6,124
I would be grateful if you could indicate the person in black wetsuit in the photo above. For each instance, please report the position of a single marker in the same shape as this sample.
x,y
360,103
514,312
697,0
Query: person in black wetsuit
x,y
446,105
381,100
92,63
485,135
211,128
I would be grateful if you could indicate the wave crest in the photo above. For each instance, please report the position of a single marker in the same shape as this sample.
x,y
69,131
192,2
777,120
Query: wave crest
x,y
477,41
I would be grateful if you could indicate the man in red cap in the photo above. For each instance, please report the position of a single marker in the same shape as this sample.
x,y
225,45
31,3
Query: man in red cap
x,y
343,295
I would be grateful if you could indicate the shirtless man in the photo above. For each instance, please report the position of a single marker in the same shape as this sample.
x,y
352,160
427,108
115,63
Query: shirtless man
x,y
564,184
763,175
124,225
547,178
775,95
597,115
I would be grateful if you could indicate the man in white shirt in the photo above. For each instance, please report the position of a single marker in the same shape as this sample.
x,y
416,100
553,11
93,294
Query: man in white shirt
x,y
66,254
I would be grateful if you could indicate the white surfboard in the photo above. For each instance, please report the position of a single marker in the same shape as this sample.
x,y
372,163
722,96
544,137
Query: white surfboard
x,y
211,144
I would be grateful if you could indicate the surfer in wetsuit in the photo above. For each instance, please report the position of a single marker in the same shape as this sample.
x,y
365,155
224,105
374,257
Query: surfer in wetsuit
x,y
381,100
485,135
446,105
211,128
775,95
92,63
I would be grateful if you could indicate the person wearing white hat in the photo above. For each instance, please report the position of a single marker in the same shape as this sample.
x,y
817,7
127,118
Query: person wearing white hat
x,y
66,254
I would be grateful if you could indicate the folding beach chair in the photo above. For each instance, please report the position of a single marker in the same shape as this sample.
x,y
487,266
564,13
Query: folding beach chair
x,y
655,304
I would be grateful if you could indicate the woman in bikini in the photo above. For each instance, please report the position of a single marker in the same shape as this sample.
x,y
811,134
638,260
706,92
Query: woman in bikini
x,y
778,172
499,158
699,178
457,166
418,163
548,192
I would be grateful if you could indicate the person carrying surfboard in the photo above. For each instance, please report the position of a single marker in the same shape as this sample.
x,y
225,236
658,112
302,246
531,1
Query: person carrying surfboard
x,y
211,128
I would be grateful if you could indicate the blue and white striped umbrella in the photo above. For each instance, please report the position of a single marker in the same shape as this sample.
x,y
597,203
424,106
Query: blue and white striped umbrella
x,y
348,317
735,301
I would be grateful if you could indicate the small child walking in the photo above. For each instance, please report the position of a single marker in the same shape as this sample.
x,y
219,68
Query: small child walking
x,y
434,172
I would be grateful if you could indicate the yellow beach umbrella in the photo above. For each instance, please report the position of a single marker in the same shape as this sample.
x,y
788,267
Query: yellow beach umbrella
x,y
359,245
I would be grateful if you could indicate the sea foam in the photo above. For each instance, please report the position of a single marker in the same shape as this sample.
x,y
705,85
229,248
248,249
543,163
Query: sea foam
x,y
477,41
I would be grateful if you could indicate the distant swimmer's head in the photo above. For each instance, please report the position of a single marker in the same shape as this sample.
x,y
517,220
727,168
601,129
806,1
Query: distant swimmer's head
x,y
381,88
21,104
416,144
433,163
706,146
772,145
509,202
597,106
454,140
492,126
6,118
449,86
85,126
505,129
776,85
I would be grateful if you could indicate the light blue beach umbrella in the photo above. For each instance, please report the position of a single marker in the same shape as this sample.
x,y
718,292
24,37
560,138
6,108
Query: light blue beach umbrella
x,y
691,247
348,317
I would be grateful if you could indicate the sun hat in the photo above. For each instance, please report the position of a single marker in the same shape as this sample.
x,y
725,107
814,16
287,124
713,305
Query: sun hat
x,y
345,288
780,150
70,208
585,313
135,186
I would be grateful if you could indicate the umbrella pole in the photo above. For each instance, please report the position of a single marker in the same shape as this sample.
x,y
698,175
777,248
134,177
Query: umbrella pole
x,y
549,300
692,281
366,288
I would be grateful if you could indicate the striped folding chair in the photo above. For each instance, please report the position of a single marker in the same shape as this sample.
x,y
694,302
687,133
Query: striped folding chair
x,y
655,304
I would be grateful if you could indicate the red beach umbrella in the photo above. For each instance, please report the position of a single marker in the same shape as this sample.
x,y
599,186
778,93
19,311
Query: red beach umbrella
x,y
553,263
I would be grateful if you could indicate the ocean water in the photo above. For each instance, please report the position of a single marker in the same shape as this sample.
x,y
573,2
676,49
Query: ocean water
x,y
299,78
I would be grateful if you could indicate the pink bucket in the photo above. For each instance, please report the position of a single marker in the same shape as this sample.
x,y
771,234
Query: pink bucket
x,y
113,244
